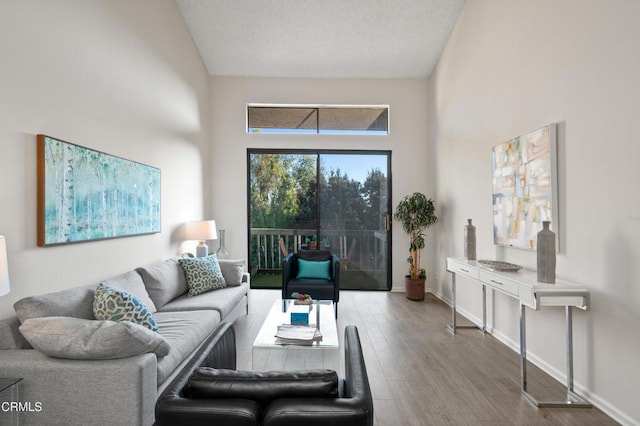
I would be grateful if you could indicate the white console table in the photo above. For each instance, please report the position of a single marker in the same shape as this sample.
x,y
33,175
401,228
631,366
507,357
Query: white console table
x,y
523,286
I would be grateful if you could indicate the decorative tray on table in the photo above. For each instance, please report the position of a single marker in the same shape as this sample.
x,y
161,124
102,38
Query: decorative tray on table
x,y
497,265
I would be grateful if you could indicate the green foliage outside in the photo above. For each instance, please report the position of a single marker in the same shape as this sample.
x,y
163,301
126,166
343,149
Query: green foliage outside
x,y
284,192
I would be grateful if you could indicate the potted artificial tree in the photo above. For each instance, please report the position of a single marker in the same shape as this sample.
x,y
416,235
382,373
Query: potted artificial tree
x,y
416,213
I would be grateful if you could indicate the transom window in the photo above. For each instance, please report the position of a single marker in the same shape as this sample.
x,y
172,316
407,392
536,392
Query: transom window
x,y
306,119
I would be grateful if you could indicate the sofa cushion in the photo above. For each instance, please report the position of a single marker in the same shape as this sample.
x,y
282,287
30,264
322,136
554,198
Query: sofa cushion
x,y
223,301
321,289
262,387
203,274
232,270
75,302
313,269
164,281
113,304
10,336
76,338
184,331
132,283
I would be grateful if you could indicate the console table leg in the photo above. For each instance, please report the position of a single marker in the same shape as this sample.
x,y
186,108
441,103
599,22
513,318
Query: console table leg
x,y
523,348
484,309
573,399
569,354
454,326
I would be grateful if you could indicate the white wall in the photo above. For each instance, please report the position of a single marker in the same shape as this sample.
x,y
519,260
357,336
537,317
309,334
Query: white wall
x,y
509,67
121,77
407,141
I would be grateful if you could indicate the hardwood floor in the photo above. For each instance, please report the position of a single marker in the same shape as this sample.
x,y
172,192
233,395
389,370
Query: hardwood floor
x,y
420,374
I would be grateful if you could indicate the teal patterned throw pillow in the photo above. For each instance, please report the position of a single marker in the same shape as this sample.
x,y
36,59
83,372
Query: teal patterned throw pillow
x,y
203,274
112,304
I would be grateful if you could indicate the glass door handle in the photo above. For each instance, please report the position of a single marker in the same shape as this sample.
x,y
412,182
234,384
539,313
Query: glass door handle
x,y
387,222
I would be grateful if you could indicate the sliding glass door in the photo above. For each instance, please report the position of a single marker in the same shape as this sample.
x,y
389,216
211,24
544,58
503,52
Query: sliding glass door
x,y
331,200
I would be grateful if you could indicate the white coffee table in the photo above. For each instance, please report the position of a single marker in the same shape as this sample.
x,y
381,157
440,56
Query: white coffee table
x,y
269,354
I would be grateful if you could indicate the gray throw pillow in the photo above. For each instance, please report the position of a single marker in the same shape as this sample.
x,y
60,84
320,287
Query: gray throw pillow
x,y
232,270
132,283
74,302
164,281
76,338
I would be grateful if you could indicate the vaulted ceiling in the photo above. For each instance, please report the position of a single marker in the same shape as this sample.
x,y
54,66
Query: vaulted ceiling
x,y
321,38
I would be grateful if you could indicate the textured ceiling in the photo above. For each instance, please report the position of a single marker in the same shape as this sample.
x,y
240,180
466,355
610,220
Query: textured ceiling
x,y
321,38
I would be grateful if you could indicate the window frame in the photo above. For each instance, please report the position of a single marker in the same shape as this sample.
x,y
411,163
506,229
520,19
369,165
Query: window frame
x,y
318,130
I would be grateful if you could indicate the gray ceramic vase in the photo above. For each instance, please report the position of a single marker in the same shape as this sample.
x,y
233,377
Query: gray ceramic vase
x,y
470,241
546,254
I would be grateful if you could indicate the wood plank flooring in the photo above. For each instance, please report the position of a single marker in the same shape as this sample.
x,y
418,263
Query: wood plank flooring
x,y
420,374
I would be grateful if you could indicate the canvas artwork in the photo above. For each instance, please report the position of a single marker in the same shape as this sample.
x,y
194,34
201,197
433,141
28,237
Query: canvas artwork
x,y
86,195
524,188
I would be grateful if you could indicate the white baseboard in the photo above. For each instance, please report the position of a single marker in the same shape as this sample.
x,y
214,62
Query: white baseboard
x,y
602,404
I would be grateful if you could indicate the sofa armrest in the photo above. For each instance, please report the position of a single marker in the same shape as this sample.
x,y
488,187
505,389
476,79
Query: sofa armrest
x,y
356,379
288,273
246,278
336,277
79,392
172,407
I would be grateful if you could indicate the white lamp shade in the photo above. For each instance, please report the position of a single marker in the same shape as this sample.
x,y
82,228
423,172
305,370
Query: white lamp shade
x,y
4,268
202,230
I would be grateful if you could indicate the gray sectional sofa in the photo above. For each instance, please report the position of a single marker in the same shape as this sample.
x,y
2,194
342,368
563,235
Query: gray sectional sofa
x,y
119,391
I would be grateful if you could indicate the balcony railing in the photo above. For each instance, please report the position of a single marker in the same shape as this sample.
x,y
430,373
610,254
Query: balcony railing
x,y
356,249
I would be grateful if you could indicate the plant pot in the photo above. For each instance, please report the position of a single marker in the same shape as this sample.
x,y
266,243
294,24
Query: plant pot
x,y
414,289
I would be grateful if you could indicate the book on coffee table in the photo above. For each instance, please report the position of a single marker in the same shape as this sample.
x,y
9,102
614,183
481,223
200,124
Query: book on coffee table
x,y
289,333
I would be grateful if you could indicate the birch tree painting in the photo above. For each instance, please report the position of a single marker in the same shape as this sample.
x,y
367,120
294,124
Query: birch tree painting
x,y
86,195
